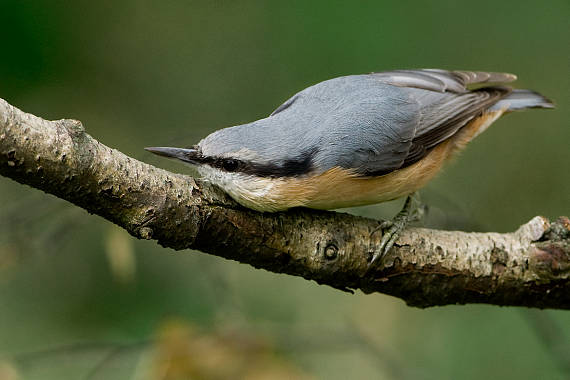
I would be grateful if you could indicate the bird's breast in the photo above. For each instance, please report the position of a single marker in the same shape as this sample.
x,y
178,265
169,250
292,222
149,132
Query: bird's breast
x,y
335,188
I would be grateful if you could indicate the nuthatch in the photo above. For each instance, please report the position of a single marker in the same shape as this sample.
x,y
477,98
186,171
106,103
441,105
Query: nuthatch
x,y
355,140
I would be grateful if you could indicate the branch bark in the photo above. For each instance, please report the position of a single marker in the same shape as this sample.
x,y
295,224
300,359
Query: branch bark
x,y
529,267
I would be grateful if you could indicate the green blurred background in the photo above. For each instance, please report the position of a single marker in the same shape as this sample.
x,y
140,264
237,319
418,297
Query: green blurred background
x,y
79,298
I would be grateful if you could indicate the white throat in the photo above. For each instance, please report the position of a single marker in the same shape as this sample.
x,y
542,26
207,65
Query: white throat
x,y
251,191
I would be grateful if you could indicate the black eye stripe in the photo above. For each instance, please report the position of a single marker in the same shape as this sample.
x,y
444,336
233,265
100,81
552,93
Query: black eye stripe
x,y
288,168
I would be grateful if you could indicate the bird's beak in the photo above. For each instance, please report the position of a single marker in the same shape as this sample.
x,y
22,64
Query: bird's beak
x,y
187,155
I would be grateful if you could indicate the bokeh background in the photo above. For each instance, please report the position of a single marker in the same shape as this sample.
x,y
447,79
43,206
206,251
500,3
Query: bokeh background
x,y
80,299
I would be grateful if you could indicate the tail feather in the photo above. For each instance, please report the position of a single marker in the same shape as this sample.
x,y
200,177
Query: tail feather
x,y
520,99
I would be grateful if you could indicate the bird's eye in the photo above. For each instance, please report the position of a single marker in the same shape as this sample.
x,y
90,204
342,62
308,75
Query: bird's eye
x,y
230,165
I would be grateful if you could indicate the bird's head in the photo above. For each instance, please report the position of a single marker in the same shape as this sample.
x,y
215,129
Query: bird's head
x,y
257,151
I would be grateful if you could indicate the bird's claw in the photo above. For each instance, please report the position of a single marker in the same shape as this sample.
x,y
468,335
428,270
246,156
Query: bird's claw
x,y
390,233
391,229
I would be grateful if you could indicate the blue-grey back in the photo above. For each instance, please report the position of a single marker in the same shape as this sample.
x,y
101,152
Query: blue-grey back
x,y
338,122
372,124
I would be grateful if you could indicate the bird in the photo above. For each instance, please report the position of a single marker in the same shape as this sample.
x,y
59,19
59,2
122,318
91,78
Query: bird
x,y
356,140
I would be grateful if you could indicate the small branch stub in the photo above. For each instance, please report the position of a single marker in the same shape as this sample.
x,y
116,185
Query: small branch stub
x,y
331,251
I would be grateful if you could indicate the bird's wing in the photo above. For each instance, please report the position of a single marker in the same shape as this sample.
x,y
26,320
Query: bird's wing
x,y
442,118
402,122
426,79
441,80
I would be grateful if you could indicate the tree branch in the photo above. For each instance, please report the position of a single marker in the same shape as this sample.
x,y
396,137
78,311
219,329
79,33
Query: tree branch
x,y
530,267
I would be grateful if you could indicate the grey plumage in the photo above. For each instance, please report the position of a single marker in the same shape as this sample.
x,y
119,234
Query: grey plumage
x,y
520,99
442,80
372,124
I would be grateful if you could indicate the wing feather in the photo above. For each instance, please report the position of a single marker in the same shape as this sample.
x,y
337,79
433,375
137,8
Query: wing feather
x,y
445,106
442,80
441,120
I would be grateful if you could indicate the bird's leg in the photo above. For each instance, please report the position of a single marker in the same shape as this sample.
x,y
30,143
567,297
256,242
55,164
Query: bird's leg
x,y
412,211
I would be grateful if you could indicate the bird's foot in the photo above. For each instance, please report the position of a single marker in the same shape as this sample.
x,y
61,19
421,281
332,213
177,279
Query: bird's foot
x,y
412,211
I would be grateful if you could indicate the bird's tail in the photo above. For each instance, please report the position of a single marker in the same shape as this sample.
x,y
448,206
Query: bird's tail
x,y
520,99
